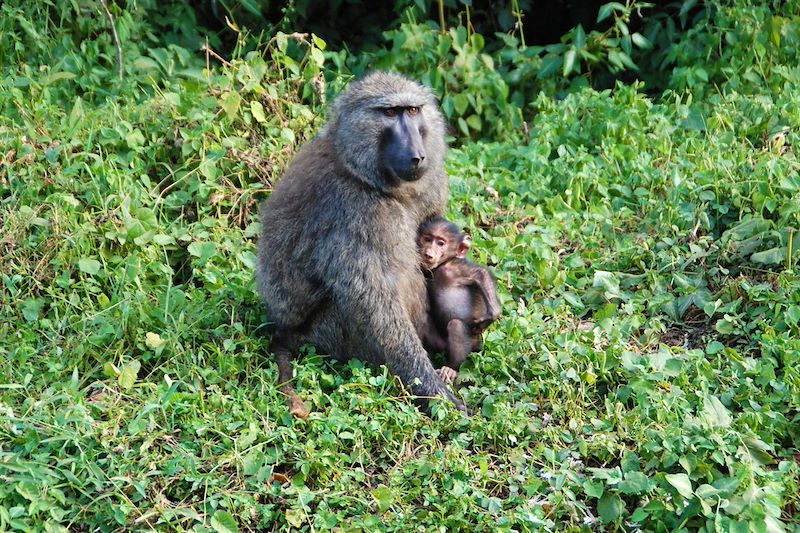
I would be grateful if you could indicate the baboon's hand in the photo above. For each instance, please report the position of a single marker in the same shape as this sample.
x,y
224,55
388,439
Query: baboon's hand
x,y
447,374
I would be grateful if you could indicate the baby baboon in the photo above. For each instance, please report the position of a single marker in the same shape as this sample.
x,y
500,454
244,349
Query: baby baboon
x,y
338,266
463,297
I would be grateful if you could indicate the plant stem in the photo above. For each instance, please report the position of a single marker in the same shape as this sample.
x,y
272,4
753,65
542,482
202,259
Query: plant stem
x,y
114,34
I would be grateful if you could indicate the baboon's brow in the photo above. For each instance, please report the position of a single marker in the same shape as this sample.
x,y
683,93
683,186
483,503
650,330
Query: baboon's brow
x,y
400,100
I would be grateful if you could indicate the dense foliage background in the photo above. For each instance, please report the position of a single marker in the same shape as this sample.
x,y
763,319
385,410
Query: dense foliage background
x,y
629,172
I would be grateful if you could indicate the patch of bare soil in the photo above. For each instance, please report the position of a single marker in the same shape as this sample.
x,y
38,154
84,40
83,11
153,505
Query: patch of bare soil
x,y
696,331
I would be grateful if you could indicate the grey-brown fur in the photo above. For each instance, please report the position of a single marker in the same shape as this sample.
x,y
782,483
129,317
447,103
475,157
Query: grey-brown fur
x,y
338,265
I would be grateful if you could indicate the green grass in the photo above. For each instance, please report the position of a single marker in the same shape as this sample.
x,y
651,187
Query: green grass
x,y
643,376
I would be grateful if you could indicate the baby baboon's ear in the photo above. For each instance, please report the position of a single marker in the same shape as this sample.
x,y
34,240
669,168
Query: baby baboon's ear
x,y
464,246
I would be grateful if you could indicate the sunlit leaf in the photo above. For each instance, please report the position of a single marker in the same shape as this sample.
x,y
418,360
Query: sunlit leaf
x,y
569,62
384,497
682,483
258,111
224,522
128,374
89,266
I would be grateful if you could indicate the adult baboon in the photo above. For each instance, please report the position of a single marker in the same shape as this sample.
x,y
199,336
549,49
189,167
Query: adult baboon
x,y
338,265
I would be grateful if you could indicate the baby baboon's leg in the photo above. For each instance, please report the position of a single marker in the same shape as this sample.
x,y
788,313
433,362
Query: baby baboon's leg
x,y
459,342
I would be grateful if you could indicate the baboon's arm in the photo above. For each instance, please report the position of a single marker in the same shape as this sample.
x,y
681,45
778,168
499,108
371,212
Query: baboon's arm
x,y
486,286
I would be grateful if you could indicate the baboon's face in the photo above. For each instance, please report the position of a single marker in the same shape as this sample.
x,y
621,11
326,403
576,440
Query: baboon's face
x,y
402,142
438,242
388,132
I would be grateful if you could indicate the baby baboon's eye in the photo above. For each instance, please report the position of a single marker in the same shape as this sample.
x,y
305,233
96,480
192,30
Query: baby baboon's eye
x,y
413,110
390,112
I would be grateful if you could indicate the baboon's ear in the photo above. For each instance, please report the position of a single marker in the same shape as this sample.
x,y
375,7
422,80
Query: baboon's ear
x,y
463,246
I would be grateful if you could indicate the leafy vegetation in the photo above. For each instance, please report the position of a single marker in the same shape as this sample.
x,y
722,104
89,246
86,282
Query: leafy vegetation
x,y
644,375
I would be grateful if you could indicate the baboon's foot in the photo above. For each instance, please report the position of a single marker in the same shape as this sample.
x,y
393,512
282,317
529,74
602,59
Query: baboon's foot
x,y
297,408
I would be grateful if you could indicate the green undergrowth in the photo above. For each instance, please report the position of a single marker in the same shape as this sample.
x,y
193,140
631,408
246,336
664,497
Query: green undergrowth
x,y
643,376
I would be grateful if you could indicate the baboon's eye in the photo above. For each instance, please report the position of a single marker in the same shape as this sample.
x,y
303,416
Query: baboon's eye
x,y
390,112
413,110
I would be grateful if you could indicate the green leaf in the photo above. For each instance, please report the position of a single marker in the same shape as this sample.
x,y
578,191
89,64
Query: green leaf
x,y
202,250
607,281
550,64
793,315
230,102
774,26
579,37
460,103
163,240
224,522
593,489
773,256
747,228
639,515
248,259
135,139
51,527
28,490
318,41
573,299
569,62
686,7
384,497
706,491
58,76
681,483
714,347
462,125
110,370
287,135
607,9
759,450
474,122
128,374
294,517
635,483
208,168
281,41
147,217
251,6
258,111
715,414
32,308
145,64
318,57
89,266
609,507
626,60
76,115
641,41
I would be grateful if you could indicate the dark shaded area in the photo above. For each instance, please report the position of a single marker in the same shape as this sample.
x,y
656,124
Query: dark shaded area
x,y
545,22
359,25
